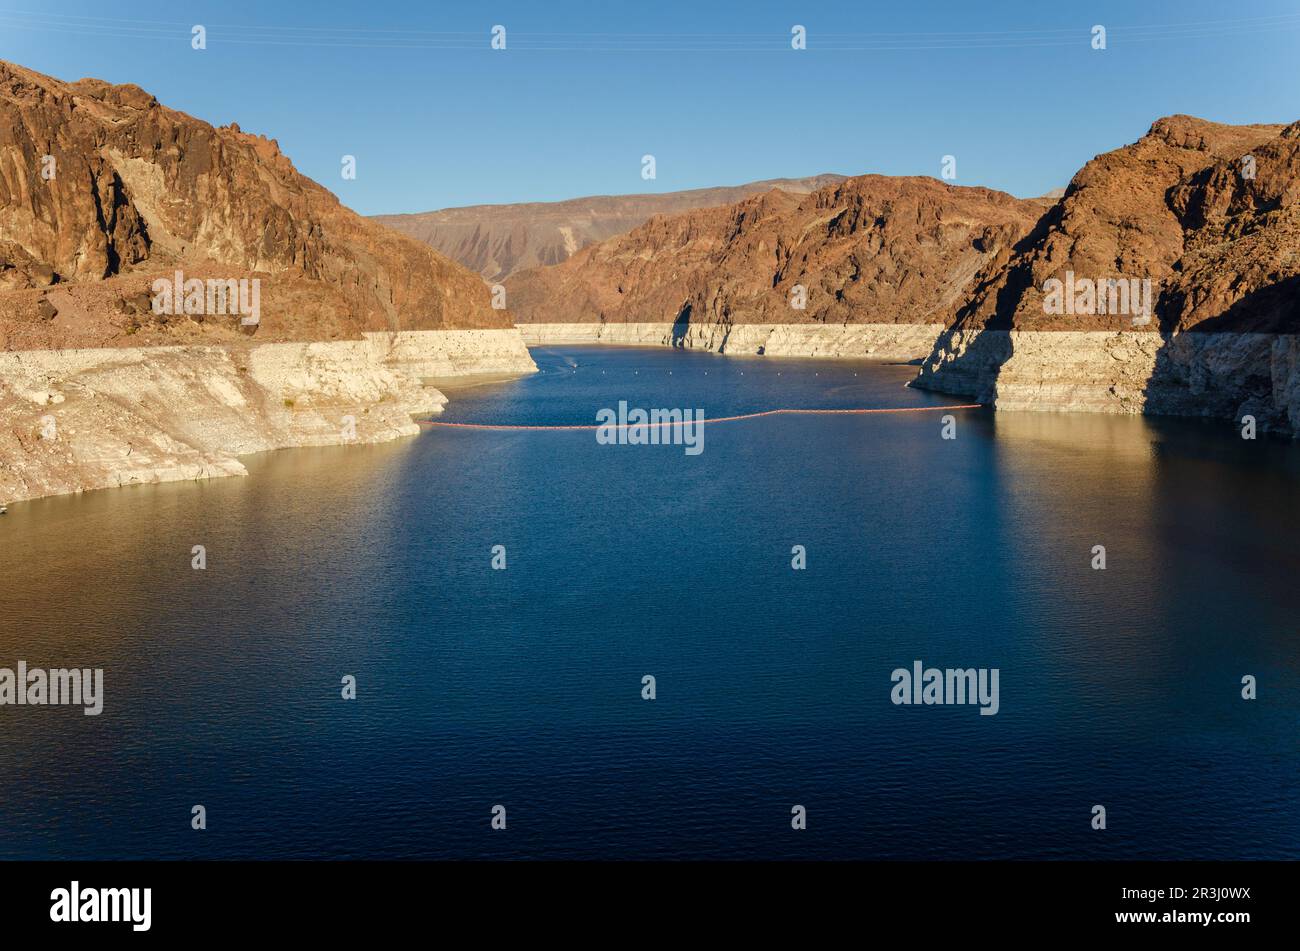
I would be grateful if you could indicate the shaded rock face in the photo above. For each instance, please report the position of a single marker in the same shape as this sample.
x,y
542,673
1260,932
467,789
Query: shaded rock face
x,y
101,185
1210,214
499,240
871,249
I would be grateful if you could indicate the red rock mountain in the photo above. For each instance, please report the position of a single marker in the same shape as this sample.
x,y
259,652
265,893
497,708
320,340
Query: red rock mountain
x,y
870,249
138,190
1209,213
498,240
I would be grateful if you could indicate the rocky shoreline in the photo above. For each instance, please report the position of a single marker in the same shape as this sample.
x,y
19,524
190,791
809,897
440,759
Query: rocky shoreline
x,y
886,342
1213,375
75,420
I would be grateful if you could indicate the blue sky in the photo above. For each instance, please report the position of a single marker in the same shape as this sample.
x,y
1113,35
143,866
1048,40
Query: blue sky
x,y
436,118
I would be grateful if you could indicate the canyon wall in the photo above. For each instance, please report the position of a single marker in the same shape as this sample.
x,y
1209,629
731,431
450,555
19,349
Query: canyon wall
x,y
73,420
1204,217
1209,214
103,191
823,274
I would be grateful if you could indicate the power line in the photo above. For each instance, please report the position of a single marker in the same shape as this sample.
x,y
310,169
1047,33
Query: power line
x,y
323,38
1261,21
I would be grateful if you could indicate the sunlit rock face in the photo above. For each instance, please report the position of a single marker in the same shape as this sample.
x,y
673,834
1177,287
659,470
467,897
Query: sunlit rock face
x,y
868,250
72,420
105,189
108,198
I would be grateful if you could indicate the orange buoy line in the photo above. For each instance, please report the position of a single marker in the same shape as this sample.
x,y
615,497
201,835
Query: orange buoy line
x,y
716,419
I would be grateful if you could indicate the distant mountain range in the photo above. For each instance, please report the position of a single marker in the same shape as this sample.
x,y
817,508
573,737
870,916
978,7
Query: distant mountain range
x,y
498,240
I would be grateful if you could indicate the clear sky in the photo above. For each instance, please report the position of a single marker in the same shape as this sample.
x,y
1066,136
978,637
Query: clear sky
x,y
436,118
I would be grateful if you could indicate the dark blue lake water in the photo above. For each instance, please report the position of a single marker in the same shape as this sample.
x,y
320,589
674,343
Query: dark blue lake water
x,y
523,686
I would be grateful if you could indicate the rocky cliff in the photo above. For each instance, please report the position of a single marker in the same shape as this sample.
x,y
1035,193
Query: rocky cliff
x,y
72,420
498,240
1209,215
867,251
103,191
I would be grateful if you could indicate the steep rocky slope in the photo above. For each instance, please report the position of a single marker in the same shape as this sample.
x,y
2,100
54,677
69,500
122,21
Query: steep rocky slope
x,y
103,190
136,190
868,251
1210,215
1168,208
498,240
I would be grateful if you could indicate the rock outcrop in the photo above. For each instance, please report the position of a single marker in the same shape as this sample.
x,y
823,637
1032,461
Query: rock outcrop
x,y
102,185
103,191
1209,214
72,420
499,240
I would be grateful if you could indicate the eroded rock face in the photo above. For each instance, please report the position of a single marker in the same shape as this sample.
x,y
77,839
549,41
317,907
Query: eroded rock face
x,y
871,249
1178,208
1240,270
104,188
73,420
1210,214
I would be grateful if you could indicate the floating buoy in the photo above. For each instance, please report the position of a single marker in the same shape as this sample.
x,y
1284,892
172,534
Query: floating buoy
x,y
716,419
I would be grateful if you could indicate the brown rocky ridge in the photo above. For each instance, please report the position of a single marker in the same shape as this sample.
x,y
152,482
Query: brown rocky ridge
x,y
498,240
1175,208
870,249
1209,214
138,191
